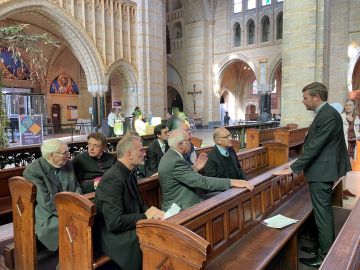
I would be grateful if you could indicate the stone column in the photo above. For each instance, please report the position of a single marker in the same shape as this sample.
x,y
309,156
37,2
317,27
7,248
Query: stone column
x,y
151,40
95,112
305,55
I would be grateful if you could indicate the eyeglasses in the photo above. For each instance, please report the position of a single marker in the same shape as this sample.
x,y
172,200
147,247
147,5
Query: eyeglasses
x,y
225,137
90,145
66,153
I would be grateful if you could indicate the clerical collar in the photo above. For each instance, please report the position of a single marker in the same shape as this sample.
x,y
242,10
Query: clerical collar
x,y
318,108
223,151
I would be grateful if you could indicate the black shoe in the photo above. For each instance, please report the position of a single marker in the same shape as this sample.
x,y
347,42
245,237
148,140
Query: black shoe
x,y
314,261
310,250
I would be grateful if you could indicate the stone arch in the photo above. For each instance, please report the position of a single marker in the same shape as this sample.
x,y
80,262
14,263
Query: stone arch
x,y
251,23
177,69
78,40
265,22
278,26
352,67
122,81
273,67
226,62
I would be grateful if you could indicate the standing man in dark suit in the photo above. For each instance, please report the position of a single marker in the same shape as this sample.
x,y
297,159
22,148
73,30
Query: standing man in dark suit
x,y
222,159
52,173
120,206
324,160
179,182
157,149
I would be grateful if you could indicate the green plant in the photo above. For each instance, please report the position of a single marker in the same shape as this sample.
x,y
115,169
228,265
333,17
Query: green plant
x,y
18,41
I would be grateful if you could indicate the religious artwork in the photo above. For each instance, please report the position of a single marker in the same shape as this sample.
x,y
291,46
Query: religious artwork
x,y
13,67
64,85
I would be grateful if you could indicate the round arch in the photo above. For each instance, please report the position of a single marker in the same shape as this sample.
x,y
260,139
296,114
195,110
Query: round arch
x,y
352,65
228,61
78,40
273,68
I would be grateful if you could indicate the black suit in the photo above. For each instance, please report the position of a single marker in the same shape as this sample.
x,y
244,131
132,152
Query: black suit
x,y
324,160
223,167
119,207
153,156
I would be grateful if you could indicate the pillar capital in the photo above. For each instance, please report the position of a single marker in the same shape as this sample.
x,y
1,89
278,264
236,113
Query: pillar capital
x,y
97,89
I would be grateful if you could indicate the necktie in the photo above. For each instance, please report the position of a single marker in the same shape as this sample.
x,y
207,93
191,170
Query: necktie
x,y
163,148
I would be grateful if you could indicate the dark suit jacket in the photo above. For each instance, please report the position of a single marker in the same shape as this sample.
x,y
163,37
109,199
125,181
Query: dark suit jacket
x,y
325,158
216,165
119,207
42,174
153,156
178,182
87,168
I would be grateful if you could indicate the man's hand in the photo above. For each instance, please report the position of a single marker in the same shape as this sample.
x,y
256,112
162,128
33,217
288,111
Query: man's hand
x,y
200,162
155,174
283,172
154,213
242,184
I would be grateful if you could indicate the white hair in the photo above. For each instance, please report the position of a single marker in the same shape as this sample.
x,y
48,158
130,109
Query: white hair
x,y
176,137
50,146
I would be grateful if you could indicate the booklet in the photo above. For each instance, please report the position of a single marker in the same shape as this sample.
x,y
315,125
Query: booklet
x,y
173,210
279,221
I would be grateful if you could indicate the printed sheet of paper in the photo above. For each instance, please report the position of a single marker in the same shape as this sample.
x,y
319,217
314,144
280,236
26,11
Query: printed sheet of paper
x,y
279,221
173,210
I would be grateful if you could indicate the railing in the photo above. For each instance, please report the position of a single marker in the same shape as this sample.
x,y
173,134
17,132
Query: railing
x,y
21,156
174,15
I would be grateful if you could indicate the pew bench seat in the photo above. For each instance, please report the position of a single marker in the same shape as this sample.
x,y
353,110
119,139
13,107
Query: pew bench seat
x,y
260,246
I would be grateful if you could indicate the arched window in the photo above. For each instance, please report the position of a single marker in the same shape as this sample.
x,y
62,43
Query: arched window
x,y
237,35
265,29
251,4
237,6
279,26
251,32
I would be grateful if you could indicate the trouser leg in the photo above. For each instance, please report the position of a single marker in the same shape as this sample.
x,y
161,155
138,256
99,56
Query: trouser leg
x,y
323,213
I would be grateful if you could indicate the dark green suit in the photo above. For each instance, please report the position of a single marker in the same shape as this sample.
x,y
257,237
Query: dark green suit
x,y
47,183
324,160
119,207
178,182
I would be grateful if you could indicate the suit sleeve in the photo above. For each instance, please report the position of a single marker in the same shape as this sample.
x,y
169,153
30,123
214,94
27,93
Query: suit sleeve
x,y
324,129
43,197
211,167
151,160
187,176
112,207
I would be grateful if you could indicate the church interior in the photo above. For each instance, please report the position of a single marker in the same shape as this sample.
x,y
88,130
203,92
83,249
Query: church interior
x,y
235,63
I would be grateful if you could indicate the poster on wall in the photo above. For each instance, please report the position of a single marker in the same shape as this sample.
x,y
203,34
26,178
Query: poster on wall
x,y
72,113
64,85
30,127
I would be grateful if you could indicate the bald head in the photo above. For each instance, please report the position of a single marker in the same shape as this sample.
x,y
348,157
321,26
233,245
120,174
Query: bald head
x,y
222,137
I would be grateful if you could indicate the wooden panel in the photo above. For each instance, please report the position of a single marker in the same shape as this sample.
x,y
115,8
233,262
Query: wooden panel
x,y
247,213
234,221
267,200
276,194
257,205
218,228
201,231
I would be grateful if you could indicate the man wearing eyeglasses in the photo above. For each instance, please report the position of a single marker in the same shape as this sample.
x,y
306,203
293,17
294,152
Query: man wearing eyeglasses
x,y
222,159
92,164
179,182
51,173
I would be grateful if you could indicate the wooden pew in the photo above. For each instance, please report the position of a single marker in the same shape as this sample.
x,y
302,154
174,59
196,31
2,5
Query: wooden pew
x,y
292,137
257,137
229,222
345,252
5,196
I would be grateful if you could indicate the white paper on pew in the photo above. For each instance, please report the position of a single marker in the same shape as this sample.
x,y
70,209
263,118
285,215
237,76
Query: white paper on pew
x,y
279,221
173,210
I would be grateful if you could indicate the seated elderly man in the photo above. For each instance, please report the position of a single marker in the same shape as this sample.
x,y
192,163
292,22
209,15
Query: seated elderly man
x,y
178,181
92,164
52,173
120,206
157,149
222,159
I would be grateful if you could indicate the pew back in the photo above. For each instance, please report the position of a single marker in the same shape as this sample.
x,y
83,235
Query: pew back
x,y
256,137
220,220
23,197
